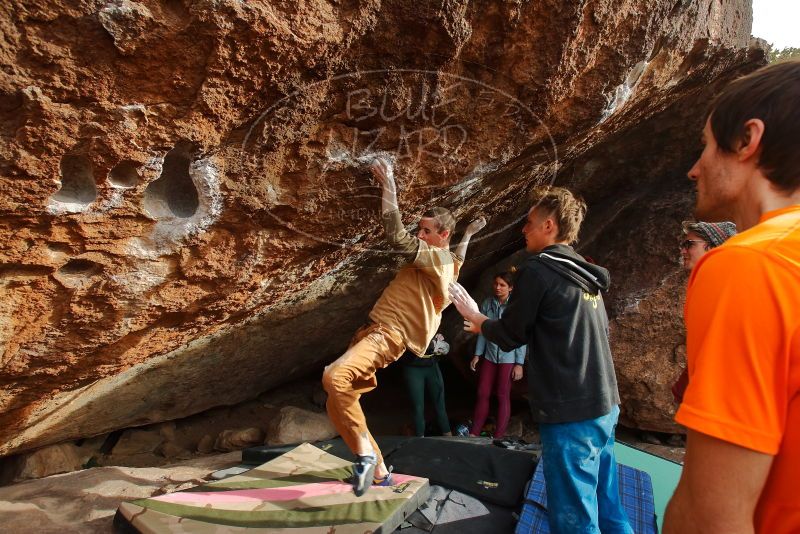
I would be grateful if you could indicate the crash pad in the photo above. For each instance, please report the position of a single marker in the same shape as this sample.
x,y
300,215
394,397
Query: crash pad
x,y
304,491
664,474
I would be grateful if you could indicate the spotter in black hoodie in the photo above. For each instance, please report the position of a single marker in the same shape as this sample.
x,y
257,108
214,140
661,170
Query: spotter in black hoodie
x,y
556,308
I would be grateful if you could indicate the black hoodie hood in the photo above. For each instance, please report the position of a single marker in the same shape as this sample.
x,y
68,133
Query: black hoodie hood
x,y
569,264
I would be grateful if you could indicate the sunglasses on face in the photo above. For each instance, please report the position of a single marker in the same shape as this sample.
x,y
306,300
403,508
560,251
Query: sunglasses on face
x,y
686,244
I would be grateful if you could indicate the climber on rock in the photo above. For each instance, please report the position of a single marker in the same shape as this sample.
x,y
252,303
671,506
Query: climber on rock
x,y
405,317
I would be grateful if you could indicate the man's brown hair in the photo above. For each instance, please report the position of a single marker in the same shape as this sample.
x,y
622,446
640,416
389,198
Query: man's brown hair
x,y
567,209
771,94
444,219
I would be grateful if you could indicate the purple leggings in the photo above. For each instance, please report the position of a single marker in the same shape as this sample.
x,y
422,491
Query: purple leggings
x,y
499,375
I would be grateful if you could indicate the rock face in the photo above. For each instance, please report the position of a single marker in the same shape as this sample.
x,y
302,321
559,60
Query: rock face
x,y
184,222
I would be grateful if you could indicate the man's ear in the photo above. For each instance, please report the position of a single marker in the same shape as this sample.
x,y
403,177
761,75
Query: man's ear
x,y
750,142
445,234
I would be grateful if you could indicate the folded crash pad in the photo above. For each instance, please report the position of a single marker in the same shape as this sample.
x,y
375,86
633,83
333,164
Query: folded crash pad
x,y
305,490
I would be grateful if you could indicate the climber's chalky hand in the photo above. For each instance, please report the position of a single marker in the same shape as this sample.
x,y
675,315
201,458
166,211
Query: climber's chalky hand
x,y
383,171
476,226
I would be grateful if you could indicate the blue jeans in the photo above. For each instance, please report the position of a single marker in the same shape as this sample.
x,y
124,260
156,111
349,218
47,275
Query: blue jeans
x,y
580,474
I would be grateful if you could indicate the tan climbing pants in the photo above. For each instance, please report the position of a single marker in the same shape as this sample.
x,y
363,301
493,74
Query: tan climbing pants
x,y
373,347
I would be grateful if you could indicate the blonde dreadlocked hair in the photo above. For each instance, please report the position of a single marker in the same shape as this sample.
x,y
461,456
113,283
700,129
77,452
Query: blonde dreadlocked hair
x,y
567,209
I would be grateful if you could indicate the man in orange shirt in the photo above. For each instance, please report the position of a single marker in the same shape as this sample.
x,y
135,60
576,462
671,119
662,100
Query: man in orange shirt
x,y
742,313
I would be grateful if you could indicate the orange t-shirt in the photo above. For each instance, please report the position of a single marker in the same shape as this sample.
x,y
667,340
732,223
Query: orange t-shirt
x,y
743,349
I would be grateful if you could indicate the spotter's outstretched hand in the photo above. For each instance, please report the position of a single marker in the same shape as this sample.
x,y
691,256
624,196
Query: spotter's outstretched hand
x,y
471,327
467,307
464,303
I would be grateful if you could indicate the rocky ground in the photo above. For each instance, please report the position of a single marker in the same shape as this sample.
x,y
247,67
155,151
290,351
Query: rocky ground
x,y
290,414
98,473
85,501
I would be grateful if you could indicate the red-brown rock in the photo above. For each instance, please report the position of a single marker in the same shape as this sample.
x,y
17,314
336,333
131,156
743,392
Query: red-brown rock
x,y
183,223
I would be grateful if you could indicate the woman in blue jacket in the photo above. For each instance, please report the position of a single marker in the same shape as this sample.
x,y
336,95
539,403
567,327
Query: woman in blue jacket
x,y
498,368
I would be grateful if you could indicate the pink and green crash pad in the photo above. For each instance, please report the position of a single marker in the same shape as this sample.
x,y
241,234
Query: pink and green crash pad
x,y
305,490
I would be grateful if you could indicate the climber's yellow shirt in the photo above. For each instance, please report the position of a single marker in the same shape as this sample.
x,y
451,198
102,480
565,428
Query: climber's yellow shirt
x,y
743,350
413,302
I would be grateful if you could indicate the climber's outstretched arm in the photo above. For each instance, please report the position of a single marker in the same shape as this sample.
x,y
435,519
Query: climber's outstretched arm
x,y
473,228
400,240
382,170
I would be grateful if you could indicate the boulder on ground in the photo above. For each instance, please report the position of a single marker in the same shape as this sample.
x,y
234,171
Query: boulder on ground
x,y
515,427
137,441
206,444
171,450
60,458
295,425
85,501
231,440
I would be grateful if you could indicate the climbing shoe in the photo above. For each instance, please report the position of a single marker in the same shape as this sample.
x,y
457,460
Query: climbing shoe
x,y
384,481
363,474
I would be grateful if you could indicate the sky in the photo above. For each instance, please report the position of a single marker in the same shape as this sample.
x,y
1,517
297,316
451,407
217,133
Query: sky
x,y
776,21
